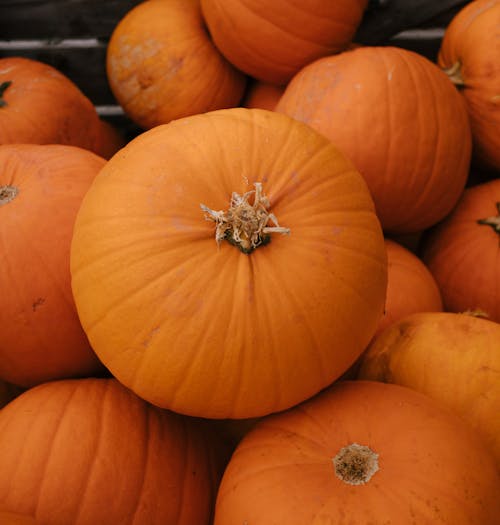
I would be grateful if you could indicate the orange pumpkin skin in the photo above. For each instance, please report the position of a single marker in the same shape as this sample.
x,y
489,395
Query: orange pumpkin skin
x,y
7,393
400,121
262,95
450,357
90,451
283,471
43,106
13,518
41,189
411,288
470,54
463,254
161,64
271,41
110,140
170,312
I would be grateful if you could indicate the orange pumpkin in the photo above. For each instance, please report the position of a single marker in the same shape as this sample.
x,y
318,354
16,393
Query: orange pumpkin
x,y
162,65
7,393
41,188
463,252
360,452
255,322
110,140
453,358
13,518
90,451
399,120
470,55
271,41
40,105
262,95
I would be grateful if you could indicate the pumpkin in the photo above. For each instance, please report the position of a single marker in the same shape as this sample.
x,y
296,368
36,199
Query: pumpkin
x,y
399,120
360,452
90,451
271,41
453,358
7,393
463,251
411,287
262,95
111,139
162,65
228,264
41,188
40,105
470,55
14,518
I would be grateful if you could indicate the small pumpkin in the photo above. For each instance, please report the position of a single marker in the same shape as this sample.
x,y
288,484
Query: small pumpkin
x,y
236,244
90,451
453,358
271,41
470,55
162,65
360,452
462,252
401,122
41,189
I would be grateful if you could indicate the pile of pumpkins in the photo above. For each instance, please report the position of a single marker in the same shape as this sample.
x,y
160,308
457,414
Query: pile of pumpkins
x,y
279,302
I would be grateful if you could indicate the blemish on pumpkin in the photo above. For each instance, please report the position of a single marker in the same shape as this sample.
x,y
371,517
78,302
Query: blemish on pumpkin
x,y
37,303
3,87
355,464
7,194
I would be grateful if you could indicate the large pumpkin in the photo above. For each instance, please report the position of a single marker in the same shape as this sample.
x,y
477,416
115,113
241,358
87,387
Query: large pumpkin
x,y
360,452
89,451
463,252
257,321
401,122
41,189
162,65
14,518
470,55
453,358
271,41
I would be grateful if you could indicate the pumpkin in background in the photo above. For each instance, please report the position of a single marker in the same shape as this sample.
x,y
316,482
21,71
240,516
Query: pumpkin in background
x,y
271,41
161,64
14,518
7,393
262,95
110,140
453,358
470,55
40,105
411,288
90,451
463,252
218,313
41,189
360,452
400,121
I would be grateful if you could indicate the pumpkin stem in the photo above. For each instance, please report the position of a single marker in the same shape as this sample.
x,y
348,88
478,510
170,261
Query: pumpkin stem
x,y
455,74
355,464
7,193
3,87
494,221
245,225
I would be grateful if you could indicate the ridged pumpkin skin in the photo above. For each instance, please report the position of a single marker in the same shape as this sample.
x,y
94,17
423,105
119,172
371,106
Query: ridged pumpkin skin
x,y
89,451
43,106
470,54
400,121
162,65
271,41
432,469
41,189
453,358
205,329
463,254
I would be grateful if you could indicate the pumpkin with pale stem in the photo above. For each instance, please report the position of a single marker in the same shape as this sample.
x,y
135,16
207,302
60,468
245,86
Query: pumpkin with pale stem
x,y
463,252
470,55
360,452
90,451
228,312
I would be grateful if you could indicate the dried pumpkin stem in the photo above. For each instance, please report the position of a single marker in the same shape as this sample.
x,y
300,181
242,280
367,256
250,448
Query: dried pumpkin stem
x,y
455,73
7,194
355,464
494,221
3,87
246,225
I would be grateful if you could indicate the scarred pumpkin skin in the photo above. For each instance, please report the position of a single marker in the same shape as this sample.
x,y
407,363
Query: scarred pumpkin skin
x,y
271,41
203,328
453,358
90,451
400,121
40,105
41,189
431,468
470,55
161,64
